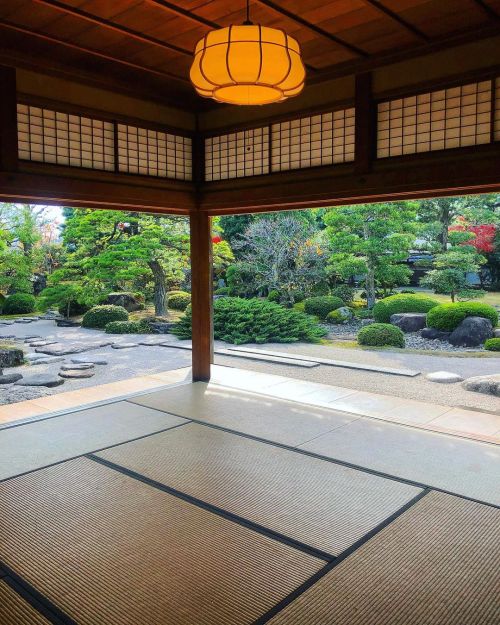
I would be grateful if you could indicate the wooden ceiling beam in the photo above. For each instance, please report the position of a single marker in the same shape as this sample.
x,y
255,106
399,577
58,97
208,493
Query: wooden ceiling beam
x,y
378,6
487,9
313,27
173,8
89,51
124,30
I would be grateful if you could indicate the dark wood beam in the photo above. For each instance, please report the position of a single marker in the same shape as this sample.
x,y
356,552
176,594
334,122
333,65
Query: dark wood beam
x,y
201,295
450,172
8,119
380,8
366,124
487,9
313,27
193,17
123,30
90,52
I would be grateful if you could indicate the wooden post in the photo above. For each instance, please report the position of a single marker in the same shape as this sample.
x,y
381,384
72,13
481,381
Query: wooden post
x,y
201,295
8,119
365,139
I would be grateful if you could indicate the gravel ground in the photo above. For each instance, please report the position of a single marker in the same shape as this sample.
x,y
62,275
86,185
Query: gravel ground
x,y
143,360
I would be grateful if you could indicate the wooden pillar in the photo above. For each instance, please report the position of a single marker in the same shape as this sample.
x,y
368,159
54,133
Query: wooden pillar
x,y
8,119
366,124
201,295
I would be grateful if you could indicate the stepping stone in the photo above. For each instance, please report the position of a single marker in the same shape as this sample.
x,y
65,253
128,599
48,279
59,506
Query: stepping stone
x,y
94,360
6,322
58,349
10,378
8,336
123,345
30,337
22,321
65,323
40,380
42,343
76,374
153,342
444,377
82,366
46,360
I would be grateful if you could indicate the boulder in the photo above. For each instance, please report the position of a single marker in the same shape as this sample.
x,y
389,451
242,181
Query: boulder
x,y
11,357
444,377
345,313
161,327
496,333
409,322
473,331
432,333
126,300
489,384
367,322
40,379
67,323
10,378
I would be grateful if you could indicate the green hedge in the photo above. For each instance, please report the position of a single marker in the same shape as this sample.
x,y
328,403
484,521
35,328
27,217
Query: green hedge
x,y
402,303
100,316
381,334
179,300
449,316
2,301
322,305
241,321
19,304
492,345
127,327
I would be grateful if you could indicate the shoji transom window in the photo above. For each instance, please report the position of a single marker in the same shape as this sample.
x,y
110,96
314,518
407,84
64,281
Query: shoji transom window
x,y
154,153
439,120
237,155
497,110
311,141
51,136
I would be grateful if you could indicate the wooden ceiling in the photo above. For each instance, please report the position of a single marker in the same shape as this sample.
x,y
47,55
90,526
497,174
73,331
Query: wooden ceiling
x,y
145,46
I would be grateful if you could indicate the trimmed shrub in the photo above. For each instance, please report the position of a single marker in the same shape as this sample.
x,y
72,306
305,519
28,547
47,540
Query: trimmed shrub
x,y
408,291
447,317
100,316
127,327
401,303
241,321
345,292
179,300
2,301
492,345
19,304
380,335
274,296
222,290
322,305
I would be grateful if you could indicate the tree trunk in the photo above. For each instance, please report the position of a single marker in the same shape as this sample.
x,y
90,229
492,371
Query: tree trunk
x,y
370,276
160,288
445,219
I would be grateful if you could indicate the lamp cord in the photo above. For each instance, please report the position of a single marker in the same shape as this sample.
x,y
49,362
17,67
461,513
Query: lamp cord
x,y
247,21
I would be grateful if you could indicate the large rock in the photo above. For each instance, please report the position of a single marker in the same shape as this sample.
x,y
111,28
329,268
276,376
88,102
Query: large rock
x,y
161,327
473,331
67,323
496,333
432,333
409,322
127,300
11,357
489,384
41,379
10,378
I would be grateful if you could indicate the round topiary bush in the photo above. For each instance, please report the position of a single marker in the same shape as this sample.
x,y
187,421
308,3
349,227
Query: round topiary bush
x,y
19,304
447,317
492,345
241,321
127,327
179,300
322,305
380,335
402,303
100,316
273,296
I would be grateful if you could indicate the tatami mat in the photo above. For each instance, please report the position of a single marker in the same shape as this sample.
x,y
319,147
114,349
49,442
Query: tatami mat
x,y
321,504
437,564
41,443
108,549
277,420
14,610
461,466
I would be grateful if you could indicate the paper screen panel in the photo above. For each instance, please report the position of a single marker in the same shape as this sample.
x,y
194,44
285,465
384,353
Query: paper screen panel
x,y
237,154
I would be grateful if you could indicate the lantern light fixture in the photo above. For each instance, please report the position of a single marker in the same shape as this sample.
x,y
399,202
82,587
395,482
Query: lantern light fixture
x,y
248,64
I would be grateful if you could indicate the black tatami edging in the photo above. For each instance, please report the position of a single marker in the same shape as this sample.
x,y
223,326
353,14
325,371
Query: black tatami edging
x,y
230,516
95,451
31,595
265,618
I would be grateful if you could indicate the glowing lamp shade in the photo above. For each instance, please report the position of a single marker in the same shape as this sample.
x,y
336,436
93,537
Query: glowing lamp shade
x,y
247,64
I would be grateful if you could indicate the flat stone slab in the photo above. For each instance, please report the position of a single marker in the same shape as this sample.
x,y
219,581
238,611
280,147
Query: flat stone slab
x,y
40,380
124,345
153,342
444,377
10,378
6,322
27,338
63,349
46,360
82,366
77,374
42,343
23,321
95,360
